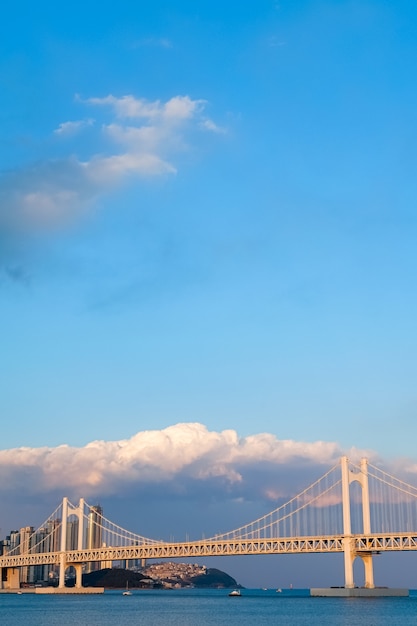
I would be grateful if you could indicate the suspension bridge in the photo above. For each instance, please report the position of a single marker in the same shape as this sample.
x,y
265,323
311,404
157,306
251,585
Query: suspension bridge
x,y
355,509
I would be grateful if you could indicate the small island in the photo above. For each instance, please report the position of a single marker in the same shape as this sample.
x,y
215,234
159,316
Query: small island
x,y
167,575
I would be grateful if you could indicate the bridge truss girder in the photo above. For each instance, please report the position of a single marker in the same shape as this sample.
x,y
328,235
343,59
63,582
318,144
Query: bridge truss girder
x,y
360,545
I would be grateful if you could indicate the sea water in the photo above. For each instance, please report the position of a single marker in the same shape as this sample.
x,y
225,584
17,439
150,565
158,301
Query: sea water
x,y
194,607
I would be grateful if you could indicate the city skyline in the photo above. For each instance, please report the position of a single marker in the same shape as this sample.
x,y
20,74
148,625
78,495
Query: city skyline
x,y
207,252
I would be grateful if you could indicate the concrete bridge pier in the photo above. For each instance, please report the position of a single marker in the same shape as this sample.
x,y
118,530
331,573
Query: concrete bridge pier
x,y
9,578
62,568
78,574
369,570
349,558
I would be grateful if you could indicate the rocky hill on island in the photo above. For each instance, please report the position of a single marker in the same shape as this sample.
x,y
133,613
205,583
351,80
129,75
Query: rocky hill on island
x,y
160,576
214,579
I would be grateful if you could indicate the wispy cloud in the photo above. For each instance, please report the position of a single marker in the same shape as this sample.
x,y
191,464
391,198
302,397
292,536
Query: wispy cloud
x,y
211,126
44,195
140,138
73,127
177,109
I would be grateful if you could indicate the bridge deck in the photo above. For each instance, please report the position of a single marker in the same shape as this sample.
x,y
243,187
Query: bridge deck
x,y
289,545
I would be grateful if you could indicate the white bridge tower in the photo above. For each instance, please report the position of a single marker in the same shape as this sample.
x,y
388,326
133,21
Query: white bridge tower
x,y
66,512
348,477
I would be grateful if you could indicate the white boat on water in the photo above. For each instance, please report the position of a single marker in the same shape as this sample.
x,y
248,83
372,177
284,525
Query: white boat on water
x,y
127,592
235,593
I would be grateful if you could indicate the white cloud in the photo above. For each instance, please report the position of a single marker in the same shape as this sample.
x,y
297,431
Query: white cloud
x,y
49,193
72,127
208,124
178,108
181,108
106,170
44,195
127,106
184,452
144,139
45,205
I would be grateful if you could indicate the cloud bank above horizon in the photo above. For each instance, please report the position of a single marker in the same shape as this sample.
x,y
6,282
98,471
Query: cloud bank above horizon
x,y
205,479
173,461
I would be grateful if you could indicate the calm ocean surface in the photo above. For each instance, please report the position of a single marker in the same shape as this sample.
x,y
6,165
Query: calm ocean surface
x,y
192,607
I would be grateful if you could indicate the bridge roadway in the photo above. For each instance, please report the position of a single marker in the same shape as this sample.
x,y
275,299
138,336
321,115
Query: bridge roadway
x,y
361,544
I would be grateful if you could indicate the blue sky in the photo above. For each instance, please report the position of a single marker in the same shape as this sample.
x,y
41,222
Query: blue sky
x,y
207,215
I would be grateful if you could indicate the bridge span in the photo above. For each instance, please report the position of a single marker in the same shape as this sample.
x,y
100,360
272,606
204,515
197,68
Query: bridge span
x,y
357,510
